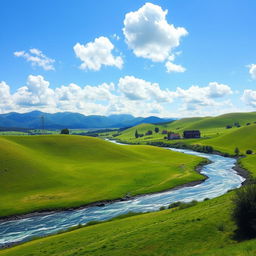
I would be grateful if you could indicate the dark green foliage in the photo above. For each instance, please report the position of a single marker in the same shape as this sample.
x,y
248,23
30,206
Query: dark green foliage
x,y
162,208
237,151
136,134
64,131
228,126
149,132
244,212
157,130
174,205
187,205
249,151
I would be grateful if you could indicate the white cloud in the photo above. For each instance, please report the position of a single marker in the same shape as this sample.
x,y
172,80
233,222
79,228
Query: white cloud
x,y
36,58
95,54
252,70
138,89
6,103
149,35
131,95
35,93
171,67
196,97
249,97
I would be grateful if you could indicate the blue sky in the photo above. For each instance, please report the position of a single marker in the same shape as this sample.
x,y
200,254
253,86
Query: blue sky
x,y
107,57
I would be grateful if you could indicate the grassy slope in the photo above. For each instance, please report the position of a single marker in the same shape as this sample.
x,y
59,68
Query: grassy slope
x,y
204,229
209,126
46,172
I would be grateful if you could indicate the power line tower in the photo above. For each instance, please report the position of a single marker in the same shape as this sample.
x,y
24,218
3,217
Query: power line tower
x,y
42,125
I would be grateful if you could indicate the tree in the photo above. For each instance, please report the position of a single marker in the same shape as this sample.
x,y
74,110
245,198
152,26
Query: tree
x,y
244,212
64,131
228,126
237,151
136,134
157,130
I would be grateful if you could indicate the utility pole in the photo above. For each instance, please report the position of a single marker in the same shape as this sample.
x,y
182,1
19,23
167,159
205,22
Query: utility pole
x,y
42,124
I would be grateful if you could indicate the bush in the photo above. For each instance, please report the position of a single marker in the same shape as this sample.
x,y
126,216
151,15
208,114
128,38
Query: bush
x,y
161,208
174,205
244,212
187,205
228,126
64,131
249,151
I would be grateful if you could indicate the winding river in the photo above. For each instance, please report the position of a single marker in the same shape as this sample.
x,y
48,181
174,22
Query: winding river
x,y
221,178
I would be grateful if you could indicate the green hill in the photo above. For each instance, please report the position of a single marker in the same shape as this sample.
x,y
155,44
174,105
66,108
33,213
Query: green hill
x,y
58,171
244,138
209,126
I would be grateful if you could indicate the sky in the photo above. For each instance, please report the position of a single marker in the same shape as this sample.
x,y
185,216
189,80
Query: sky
x,y
167,58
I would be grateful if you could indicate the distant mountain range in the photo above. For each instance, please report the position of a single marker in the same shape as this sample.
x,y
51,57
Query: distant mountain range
x,y
71,120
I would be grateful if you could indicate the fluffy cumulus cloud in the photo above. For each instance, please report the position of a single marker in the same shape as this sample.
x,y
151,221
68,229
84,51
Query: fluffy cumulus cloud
x,y
195,98
138,89
5,98
131,95
252,70
171,67
35,93
249,97
96,54
149,35
36,58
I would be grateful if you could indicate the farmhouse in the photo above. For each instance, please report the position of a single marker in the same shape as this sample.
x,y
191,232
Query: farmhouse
x,y
191,134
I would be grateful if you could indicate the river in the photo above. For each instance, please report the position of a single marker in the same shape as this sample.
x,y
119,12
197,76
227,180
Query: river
x,y
221,178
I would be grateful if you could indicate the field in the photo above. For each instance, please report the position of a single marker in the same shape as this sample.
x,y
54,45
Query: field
x,y
204,229
210,127
58,171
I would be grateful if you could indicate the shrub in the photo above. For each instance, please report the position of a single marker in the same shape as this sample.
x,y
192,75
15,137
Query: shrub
x,y
162,208
156,129
244,212
228,126
249,151
174,205
149,132
64,131
187,205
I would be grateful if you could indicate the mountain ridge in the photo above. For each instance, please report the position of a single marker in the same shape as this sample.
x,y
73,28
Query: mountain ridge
x,y
73,120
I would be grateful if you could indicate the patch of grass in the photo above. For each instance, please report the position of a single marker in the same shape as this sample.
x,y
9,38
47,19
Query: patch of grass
x,y
58,171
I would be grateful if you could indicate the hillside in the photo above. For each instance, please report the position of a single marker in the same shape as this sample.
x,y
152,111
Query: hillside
x,y
244,138
46,172
209,126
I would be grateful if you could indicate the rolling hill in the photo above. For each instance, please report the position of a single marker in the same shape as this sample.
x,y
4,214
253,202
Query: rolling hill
x,y
58,171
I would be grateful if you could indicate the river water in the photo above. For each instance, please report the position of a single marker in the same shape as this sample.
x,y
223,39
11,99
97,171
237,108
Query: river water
x,y
221,178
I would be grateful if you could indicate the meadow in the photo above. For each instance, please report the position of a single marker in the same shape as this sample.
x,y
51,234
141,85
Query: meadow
x,y
204,229
58,171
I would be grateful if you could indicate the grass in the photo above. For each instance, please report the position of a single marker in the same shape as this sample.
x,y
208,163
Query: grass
x,y
204,229
209,127
58,171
